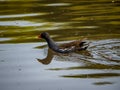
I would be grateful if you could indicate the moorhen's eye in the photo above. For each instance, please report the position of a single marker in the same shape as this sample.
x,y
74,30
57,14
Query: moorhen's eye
x,y
44,34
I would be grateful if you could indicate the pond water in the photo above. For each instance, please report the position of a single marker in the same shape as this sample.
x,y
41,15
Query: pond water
x,y
26,63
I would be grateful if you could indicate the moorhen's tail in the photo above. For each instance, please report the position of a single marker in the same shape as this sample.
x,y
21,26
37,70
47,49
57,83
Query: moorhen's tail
x,y
83,46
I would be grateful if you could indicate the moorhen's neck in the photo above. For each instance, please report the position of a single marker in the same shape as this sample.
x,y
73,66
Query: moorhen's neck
x,y
52,45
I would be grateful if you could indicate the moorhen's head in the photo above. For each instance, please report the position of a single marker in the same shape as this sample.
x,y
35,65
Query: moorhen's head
x,y
44,35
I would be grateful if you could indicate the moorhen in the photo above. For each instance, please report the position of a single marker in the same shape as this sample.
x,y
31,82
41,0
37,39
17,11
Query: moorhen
x,y
66,47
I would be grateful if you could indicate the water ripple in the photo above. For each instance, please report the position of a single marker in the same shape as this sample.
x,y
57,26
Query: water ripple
x,y
59,4
21,15
20,23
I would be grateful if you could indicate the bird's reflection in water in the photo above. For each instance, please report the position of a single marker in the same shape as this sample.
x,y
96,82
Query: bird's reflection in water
x,y
48,59
51,54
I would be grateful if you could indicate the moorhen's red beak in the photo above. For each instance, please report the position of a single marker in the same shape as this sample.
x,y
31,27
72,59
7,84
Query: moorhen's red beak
x,y
39,36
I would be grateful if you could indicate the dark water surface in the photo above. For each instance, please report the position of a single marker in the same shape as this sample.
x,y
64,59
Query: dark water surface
x,y
27,64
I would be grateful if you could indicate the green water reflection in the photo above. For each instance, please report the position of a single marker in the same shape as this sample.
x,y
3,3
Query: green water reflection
x,y
24,21
98,75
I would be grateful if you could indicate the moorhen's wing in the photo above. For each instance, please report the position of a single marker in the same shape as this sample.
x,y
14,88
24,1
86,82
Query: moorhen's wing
x,y
77,45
